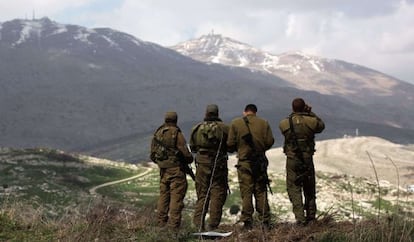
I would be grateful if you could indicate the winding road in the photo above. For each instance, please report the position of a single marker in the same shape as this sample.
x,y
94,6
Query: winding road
x,y
92,191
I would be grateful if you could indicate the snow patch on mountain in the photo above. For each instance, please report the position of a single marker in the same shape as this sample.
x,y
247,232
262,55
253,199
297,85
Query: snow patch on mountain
x,y
29,28
59,30
135,40
305,71
111,42
83,35
40,29
94,66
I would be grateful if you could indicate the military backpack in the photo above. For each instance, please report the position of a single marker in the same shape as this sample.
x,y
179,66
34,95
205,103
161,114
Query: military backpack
x,y
209,134
165,137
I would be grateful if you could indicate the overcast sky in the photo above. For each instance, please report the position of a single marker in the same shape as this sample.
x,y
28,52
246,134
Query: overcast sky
x,y
375,33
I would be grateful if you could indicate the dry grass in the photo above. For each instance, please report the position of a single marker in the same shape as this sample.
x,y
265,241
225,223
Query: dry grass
x,y
111,222
327,229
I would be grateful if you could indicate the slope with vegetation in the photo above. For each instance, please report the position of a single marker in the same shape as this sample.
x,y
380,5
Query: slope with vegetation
x,y
45,196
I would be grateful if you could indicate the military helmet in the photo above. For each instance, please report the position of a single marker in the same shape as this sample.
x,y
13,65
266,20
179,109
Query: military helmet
x,y
212,109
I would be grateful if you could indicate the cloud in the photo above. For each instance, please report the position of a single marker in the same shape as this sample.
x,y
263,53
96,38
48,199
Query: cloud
x,y
372,32
25,8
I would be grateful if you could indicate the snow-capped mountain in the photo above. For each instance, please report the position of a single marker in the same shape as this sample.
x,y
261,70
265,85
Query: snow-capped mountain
x,y
104,92
46,33
70,87
357,84
307,72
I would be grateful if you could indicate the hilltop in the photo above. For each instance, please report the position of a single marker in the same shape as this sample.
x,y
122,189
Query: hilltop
x,y
302,70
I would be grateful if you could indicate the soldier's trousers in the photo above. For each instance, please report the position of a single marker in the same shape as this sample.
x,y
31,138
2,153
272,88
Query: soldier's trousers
x,y
212,200
252,186
307,187
173,186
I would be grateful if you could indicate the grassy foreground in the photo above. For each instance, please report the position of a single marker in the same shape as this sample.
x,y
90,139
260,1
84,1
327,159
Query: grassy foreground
x,y
45,195
110,222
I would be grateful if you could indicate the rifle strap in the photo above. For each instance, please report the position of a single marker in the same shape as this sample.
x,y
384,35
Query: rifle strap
x,y
292,128
246,121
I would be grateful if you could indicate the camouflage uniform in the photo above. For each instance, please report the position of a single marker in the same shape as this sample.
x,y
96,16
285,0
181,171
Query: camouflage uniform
x,y
173,181
301,174
211,161
249,184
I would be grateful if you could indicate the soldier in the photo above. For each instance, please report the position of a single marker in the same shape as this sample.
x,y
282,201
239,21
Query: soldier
x,y
299,130
252,163
208,141
170,152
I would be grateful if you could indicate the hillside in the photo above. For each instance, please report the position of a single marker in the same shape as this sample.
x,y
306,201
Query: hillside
x,y
356,83
349,156
103,92
302,70
35,173
69,87
77,197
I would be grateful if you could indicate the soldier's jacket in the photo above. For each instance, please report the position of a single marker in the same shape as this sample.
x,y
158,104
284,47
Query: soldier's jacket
x,y
174,139
206,155
305,126
262,136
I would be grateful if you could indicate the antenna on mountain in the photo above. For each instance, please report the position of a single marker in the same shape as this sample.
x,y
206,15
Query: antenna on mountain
x,y
212,32
34,15
356,132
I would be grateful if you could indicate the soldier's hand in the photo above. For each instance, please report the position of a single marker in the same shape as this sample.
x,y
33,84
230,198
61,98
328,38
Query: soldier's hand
x,y
308,108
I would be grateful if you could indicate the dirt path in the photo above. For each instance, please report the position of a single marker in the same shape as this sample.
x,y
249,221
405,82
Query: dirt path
x,y
92,191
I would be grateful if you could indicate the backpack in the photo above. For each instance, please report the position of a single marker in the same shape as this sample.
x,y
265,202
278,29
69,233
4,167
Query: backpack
x,y
165,137
209,134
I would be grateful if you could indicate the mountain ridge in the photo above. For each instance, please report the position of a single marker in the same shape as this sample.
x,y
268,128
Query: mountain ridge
x,y
216,48
103,91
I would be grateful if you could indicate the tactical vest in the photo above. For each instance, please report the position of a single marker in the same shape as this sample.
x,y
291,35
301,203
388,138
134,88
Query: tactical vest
x,y
304,135
164,154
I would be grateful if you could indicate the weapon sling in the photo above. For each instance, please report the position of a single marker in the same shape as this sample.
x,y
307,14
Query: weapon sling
x,y
251,144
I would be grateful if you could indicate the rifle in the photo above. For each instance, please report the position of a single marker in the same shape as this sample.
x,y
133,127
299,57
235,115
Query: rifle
x,y
184,167
303,169
259,159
